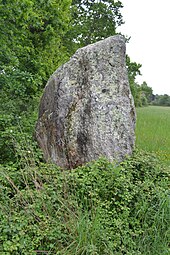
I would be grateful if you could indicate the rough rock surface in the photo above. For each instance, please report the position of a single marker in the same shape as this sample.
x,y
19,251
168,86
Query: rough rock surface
x,y
87,110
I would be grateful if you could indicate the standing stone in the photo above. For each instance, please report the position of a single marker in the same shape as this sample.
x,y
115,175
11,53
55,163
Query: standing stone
x,y
87,109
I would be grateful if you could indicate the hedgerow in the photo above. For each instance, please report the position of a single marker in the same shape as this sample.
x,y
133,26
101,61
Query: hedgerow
x,y
99,208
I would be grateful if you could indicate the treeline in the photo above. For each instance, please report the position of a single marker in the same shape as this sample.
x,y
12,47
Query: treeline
x,y
162,100
100,208
142,93
143,96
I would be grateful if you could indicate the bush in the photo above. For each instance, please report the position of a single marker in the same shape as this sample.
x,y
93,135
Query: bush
x,y
99,208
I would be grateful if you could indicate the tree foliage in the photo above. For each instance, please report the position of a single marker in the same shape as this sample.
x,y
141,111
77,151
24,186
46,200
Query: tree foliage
x,y
147,92
31,34
31,48
100,208
35,38
162,100
95,20
92,21
142,94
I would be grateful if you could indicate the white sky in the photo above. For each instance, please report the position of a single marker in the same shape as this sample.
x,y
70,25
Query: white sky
x,y
148,24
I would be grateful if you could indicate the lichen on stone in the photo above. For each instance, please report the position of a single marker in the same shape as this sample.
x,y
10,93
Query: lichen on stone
x,y
87,109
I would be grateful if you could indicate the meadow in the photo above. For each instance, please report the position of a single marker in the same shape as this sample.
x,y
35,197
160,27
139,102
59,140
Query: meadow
x,y
153,131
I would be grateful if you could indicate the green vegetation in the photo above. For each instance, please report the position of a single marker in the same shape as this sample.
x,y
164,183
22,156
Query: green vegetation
x,y
152,131
163,100
35,38
92,21
101,208
31,49
142,94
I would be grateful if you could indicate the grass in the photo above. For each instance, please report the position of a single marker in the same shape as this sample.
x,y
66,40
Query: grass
x,y
96,209
153,131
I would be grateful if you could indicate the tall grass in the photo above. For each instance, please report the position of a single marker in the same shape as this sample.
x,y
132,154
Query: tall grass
x,y
153,131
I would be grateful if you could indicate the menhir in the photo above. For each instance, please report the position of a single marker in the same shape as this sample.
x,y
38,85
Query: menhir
x,y
87,109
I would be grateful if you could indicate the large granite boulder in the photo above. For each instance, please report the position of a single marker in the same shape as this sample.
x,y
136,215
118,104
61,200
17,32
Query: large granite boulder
x,y
87,109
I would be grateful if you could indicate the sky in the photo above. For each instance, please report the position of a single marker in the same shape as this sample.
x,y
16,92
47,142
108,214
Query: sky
x,y
147,23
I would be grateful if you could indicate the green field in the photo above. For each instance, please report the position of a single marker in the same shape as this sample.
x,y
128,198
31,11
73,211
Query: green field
x,y
153,131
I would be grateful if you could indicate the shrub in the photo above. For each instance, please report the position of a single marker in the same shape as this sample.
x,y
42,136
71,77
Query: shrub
x,y
99,208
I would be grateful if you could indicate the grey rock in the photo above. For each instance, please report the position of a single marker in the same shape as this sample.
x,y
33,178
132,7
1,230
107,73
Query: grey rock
x,y
87,110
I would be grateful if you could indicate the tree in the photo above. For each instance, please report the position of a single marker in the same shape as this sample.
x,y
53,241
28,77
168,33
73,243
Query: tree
x,y
147,92
92,20
31,32
31,49
162,100
133,70
95,20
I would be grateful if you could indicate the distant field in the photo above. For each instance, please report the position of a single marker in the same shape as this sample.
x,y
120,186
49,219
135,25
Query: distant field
x,y
153,131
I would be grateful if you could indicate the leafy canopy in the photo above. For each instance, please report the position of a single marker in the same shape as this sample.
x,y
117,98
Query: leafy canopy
x,y
31,49
92,21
